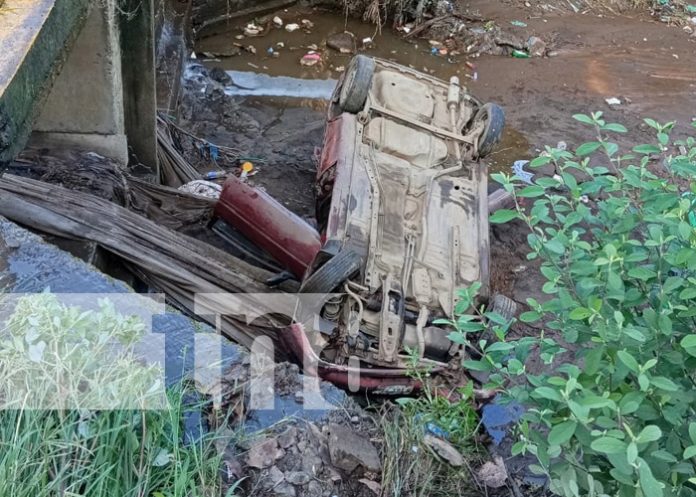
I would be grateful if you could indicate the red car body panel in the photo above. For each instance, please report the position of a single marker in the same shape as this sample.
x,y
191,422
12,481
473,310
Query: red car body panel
x,y
269,225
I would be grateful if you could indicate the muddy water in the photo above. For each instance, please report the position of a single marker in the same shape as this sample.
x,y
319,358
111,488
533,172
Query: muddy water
x,y
275,70
649,66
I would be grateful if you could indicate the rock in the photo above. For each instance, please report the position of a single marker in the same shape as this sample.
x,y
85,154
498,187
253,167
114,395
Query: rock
x,y
272,478
536,46
252,30
284,489
312,463
313,489
372,485
342,42
221,76
263,454
287,438
298,478
348,450
493,474
445,450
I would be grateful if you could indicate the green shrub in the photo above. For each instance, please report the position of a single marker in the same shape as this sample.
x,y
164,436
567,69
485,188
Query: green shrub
x,y
614,232
54,359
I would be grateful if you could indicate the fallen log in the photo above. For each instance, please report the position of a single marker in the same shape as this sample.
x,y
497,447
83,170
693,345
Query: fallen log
x,y
175,264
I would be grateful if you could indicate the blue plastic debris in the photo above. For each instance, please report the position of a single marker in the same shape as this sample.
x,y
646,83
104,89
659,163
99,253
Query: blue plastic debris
x,y
518,169
497,418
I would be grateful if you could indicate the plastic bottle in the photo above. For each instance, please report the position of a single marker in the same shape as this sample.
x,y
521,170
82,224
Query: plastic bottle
x,y
215,175
520,54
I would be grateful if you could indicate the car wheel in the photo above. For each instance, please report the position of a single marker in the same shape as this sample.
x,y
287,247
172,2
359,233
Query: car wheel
x,y
493,117
332,273
504,306
356,84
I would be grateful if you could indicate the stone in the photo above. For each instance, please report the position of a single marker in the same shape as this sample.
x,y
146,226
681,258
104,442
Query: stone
x,y
445,450
285,489
536,46
313,489
272,478
287,438
348,450
342,42
298,478
312,463
264,453
493,474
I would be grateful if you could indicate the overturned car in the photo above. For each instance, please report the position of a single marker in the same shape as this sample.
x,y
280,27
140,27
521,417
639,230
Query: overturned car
x,y
402,216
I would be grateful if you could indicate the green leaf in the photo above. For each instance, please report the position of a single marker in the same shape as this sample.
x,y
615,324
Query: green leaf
x,y
476,365
615,127
650,433
628,360
540,161
632,453
587,148
500,347
688,343
531,191
647,149
503,216
608,445
650,486
548,393
692,432
664,384
580,313
562,432
555,246
689,452
583,118
642,273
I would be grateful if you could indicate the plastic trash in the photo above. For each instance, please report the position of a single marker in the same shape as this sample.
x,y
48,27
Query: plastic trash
x,y
524,176
519,24
247,170
520,54
277,22
310,59
215,175
292,27
612,101
202,188
252,29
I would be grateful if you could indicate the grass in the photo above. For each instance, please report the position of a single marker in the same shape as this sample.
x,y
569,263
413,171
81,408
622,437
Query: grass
x,y
56,355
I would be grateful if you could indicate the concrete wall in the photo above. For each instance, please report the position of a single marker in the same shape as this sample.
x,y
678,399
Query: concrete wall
x,y
84,109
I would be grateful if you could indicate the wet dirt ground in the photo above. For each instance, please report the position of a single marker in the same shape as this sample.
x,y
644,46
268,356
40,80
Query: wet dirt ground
x,y
646,64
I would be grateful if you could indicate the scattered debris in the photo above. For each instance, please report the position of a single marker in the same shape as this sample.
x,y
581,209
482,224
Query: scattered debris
x,y
310,59
342,42
292,27
348,450
251,49
307,24
613,101
519,24
252,30
277,22
367,43
445,450
202,188
536,46
493,473
263,454
520,54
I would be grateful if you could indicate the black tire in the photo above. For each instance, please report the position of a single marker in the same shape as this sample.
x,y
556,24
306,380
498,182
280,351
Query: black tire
x,y
504,306
356,84
335,271
494,118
